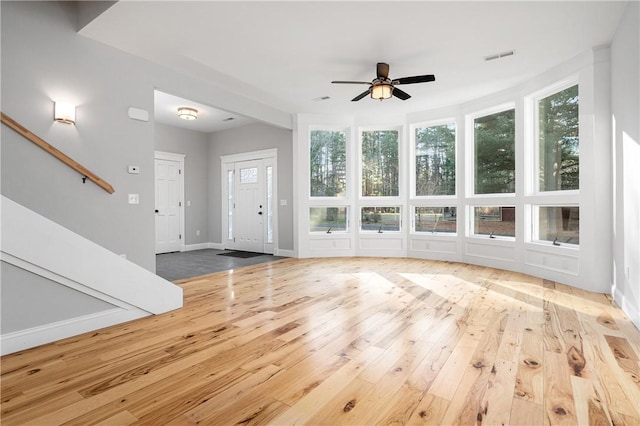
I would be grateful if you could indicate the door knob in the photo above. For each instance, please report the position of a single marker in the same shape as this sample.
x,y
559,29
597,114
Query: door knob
x,y
157,211
260,213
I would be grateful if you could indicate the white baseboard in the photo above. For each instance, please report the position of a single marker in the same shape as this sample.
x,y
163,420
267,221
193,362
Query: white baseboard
x,y
285,253
200,246
36,336
627,307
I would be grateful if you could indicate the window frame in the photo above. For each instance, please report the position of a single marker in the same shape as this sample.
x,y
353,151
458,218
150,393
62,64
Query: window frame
x,y
412,159
385,200
347,229
534,237
471,222
470,157
348,157
412,213
400,230
533,134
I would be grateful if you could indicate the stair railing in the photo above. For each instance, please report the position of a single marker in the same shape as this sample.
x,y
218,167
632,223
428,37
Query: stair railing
x,y
86,173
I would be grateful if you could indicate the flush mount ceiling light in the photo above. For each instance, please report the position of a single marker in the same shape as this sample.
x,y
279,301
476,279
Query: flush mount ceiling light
x,y
381,91
64,113
187,113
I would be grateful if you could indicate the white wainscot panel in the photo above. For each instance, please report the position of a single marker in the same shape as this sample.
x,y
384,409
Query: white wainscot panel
x,y
497,250
448,246
552,260
385,243
330,244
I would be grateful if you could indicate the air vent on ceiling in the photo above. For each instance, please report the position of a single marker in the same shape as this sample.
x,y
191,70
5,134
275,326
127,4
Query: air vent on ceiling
x,y
499,55
321,98
229,119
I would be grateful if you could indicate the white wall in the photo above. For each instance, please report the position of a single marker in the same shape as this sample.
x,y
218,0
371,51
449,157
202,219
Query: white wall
x,y
195,147
625,109
253,137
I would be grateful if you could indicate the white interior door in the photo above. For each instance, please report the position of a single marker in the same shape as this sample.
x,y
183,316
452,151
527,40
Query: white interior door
x,y
249,206
168,206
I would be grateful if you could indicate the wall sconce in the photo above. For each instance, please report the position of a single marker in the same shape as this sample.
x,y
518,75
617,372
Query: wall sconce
x,y
64,113
381,91
187,113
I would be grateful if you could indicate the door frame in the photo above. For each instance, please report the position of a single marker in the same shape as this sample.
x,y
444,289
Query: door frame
x,y
179,158
270,158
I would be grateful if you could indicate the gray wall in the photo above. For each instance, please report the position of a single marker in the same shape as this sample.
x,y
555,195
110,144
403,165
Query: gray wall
x,y
625,101
28,300
253,137
195,146
44,59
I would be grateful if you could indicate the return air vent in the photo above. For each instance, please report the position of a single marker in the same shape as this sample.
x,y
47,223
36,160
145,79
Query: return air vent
x,y
499,55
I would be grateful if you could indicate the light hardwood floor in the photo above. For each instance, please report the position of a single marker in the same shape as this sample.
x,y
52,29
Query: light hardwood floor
x,y
358,341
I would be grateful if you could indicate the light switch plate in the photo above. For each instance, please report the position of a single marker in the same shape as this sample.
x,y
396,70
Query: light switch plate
x,y
134,198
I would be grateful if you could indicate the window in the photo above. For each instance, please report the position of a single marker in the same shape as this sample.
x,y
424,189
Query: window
x,y
494,150
380,219
327,219
559,159
560,225
328,163
380,163
435,160
269,204
435,219
230,204
494,221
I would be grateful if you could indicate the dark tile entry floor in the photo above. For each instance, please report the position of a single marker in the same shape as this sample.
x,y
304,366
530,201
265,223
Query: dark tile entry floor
x,y
188,264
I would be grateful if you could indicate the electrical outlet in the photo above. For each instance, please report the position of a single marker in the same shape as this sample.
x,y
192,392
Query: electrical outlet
x,y
134,170
134,198
198,232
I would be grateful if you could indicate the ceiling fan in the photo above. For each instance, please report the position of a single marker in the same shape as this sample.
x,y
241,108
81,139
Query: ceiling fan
x,y
382,87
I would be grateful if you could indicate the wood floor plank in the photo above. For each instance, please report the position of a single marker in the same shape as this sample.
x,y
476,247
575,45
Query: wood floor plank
x,y
345,341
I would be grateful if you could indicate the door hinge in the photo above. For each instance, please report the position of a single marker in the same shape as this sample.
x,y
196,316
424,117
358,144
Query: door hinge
x,y
179,236
179,171
179,203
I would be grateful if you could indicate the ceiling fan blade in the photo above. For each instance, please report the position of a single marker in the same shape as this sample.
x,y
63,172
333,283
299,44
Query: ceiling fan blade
x,y
351,82
382,70
360,96
400,94
415,79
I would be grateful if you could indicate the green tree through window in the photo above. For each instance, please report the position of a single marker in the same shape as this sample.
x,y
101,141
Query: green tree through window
x,y
380,163
436,160
559,142
494,137
328,163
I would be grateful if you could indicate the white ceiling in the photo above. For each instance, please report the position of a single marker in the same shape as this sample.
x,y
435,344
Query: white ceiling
x,y
209,119
285,54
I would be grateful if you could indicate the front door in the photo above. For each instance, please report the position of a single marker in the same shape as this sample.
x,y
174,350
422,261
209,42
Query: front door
x,y
249,206
168,205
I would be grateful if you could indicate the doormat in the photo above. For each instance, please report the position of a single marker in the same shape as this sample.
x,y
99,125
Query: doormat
x,y
241,254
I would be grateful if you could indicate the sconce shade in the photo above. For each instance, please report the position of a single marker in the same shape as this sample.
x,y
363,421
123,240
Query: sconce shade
x,y
64,113
187,113
381,91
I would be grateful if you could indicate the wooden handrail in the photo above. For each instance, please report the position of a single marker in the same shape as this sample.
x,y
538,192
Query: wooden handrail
x,y
86,173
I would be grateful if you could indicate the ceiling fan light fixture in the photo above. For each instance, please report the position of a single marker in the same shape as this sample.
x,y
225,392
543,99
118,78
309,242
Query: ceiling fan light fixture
x,y
187,113
381,91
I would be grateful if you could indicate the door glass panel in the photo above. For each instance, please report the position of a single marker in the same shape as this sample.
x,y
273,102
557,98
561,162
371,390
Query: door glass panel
x,y
230,204
249,175
269,204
